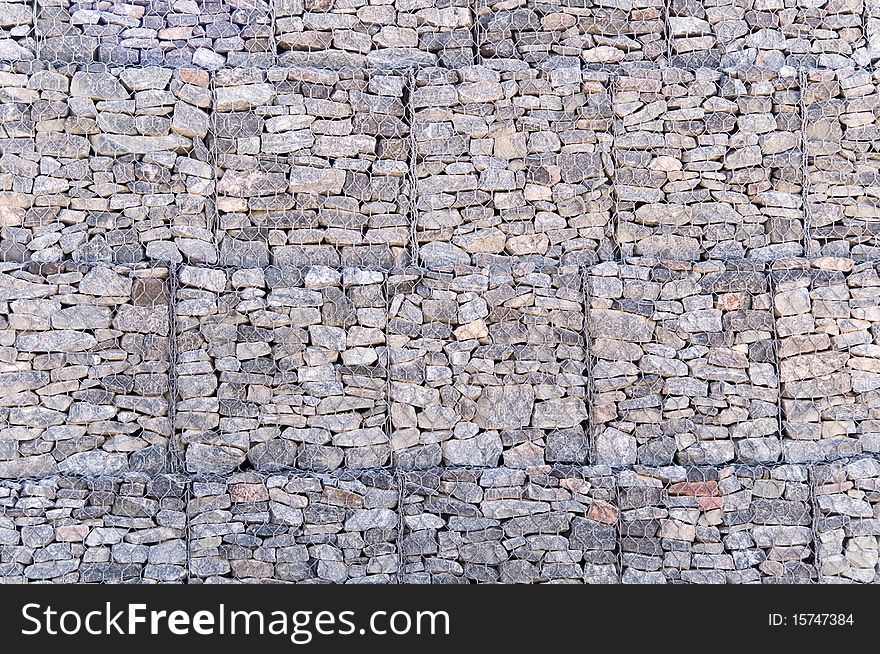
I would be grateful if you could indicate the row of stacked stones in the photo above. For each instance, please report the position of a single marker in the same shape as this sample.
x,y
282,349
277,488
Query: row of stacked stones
x,y
544,524
832,34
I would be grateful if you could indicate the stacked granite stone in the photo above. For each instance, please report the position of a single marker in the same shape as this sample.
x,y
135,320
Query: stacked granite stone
x,y
84,365
116,168
842,145
534,33
208,33
439,292
542,524
17,38
394,34
281,367
683,363
512,165
294,528
311,167
767,33
708,164
738,524
827,320
848,497
125,529
487,367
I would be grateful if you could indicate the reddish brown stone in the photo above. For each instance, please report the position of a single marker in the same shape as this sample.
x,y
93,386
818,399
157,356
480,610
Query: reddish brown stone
x,y
731,301
248,493
709,503
193,76
602,512
318,5
149,292
343,498
695,488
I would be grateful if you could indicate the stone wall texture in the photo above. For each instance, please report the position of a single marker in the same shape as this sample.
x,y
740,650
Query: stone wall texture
x,y
422,291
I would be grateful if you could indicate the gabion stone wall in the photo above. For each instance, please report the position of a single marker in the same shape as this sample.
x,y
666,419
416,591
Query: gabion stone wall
x,y
477,291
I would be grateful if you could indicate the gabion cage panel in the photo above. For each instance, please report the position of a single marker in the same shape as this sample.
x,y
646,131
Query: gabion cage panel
x,y
206,33
512,167
115,167
738,524
827,315
281,368
129,529
708,164
311,167
487,367
683,364
84,370
545,524
251,528
395,34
